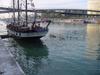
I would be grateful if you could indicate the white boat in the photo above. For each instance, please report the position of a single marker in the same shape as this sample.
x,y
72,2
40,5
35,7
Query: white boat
x,y
26,30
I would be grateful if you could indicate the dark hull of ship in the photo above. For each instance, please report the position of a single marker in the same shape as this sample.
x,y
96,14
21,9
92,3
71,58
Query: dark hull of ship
x,y
26,35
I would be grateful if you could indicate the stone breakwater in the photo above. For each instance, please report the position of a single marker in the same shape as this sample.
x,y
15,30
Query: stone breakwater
x,y
8,65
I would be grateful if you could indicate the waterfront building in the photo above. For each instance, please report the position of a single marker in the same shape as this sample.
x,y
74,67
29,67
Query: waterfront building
x,y
93,5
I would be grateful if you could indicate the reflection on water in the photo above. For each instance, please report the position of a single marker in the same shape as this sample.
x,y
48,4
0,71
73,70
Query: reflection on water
x,y
93,39
65,50
30,55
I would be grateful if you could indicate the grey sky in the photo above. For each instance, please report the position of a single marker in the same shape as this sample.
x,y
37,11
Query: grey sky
x,y
74,4
61,4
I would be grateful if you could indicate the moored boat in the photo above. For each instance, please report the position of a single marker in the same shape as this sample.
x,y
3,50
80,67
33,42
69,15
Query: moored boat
x,y
29,31
26,29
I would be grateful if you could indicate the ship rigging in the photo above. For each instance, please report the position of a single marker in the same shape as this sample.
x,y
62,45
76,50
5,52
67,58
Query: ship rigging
x,y
26,29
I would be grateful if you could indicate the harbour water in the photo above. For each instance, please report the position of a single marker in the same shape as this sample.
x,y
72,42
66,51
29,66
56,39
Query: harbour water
x,y
66,50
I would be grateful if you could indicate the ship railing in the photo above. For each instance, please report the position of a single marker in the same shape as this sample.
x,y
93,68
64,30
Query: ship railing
x,y
26,29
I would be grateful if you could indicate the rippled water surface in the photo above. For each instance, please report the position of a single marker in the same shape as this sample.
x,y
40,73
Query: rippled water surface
x,y
65,50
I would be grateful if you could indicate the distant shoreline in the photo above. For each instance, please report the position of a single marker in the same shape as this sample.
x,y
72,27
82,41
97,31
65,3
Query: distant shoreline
x,y
67,21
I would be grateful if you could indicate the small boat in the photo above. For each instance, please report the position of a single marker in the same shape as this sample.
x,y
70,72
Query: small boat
x,y
24,30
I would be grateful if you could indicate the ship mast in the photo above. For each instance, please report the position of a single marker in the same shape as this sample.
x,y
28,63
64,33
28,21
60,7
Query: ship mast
x,y
26,14
18,12
14,11
35,14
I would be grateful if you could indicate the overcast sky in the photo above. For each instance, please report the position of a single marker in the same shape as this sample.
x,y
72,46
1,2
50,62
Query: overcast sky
x,y
74,4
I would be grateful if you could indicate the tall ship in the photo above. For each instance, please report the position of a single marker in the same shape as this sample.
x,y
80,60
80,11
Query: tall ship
x,y
25,29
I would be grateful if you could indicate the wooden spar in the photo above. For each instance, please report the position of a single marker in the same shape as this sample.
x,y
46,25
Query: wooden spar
x,y
18,13
35,16
13,11
26,14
